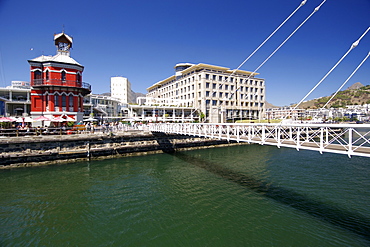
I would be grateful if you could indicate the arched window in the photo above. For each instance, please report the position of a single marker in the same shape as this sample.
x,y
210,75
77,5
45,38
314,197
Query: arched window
x,y
63,75
70,99
47,75
56,100
64,100
78,78
37,75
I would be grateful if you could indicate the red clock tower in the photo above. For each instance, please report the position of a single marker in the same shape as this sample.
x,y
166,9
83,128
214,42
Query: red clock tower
x,y
56,81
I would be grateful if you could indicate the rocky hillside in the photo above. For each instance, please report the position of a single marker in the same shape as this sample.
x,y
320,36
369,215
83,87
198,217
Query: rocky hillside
x,y
357,94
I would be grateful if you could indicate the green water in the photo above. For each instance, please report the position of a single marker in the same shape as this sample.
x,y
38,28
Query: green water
x,y
234,196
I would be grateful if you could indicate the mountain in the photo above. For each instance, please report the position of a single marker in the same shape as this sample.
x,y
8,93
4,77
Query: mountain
x,y
356,86
269,105
357,94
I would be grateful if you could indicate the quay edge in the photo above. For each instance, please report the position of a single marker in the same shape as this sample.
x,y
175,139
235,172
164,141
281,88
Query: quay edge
x,y
34,151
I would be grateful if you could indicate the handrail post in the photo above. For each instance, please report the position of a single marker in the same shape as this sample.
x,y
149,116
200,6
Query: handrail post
x,y
321,140
228,132
298,138
350,137
238,132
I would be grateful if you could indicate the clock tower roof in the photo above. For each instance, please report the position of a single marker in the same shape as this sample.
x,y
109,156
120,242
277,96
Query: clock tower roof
x,y
63,38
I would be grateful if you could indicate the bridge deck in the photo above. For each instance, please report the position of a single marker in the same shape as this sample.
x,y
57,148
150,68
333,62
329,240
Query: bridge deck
x,y
349,139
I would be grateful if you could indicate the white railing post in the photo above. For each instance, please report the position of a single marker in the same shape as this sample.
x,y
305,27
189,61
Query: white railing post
x,y
263,134
237,133
219,131
298,138
228,132
350,137
321,140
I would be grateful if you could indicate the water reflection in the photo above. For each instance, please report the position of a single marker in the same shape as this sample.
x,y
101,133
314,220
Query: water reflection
x,y
350,221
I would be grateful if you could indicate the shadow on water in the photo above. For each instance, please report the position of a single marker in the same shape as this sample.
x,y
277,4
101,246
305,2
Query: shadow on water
x,y
164,142
338,217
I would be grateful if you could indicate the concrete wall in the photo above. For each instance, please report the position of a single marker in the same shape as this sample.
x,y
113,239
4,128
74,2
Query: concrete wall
x,y
46,150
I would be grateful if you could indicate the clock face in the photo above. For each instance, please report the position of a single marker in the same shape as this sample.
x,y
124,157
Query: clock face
x,y
63,46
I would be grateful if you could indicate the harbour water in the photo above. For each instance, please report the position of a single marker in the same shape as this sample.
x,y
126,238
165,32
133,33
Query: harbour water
x,y
248,195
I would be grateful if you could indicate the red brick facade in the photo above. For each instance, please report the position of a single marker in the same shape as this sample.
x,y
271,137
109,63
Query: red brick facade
x,y
57,87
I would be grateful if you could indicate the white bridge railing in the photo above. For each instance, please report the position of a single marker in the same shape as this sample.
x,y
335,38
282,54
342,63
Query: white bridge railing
x,y
349,139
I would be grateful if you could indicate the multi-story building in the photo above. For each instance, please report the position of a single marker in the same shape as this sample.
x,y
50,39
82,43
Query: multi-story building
x,y
56,83
221,94
285,113
15,100
102,106
120,88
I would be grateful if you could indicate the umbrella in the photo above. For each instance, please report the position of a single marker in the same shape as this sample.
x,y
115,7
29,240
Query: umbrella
x,y
70,119
24,120
28,120
90,119
58,119
42,118
5,119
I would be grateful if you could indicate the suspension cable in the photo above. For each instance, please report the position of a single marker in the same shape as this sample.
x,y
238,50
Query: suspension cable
x,y
354,45
234,71
344,83
254,72
302,3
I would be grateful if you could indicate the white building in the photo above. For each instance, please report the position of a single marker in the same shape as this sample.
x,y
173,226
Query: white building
x,y
101,106
15,100
220,93
120,88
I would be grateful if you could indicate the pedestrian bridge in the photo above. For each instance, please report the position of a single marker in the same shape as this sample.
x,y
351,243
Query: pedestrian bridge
x,y
349,139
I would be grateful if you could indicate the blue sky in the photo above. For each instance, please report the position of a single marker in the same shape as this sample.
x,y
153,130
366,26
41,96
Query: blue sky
x,y
143,40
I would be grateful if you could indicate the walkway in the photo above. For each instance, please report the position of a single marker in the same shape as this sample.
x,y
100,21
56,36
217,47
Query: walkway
x,y
349,139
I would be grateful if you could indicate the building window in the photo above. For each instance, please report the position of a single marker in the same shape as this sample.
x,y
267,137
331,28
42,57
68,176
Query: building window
x,y
78,78
56,100
47,75
214,102
64,103
63,76
207,76
70,100
207,85
37,75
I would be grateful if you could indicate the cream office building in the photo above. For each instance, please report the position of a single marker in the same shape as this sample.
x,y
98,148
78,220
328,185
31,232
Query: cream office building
x,y
220,93
120,88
